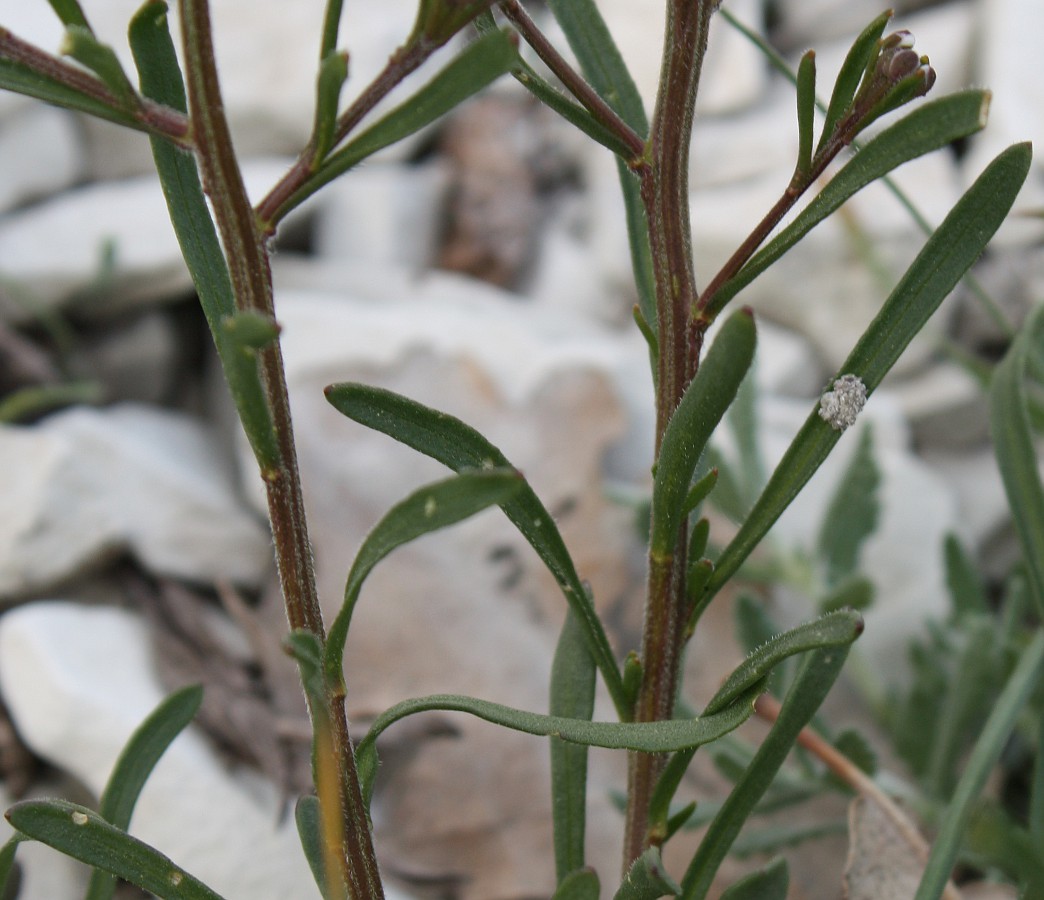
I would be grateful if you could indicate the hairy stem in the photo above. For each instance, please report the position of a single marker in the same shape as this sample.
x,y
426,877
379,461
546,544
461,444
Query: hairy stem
x,y
252,284
665,194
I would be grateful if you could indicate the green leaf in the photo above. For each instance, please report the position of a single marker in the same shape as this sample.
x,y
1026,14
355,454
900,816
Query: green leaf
x,y
475,67
333,72
457,445
852,593
309,829
81,44
943,854
161,80
647,879
854,745
852,515
947,254
69,12
429,509
862,51
579,885
136,762
962,580
572,695
806,111
700,491
438,20
698,413
698,541
604,68
929,127
7,867
768,883
84,835
1015,451
649,737
23,80
805,696
836,629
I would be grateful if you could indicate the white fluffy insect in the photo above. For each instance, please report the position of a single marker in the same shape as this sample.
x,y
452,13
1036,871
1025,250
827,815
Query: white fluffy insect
x,y
840,407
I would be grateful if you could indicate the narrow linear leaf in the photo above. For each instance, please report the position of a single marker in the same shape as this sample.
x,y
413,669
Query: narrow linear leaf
x,y
927,128
579,885
81,44
459,446
70,12
851,73
647,879
309,828
161,80
852,514
698,413
333,72
136,762
649,737
604,67
429,509
945,257
84,835
806,110
836,629
572,696
7,862
22,80
805,696
478,65
988,747
700,491
769,883
962,579
1015,451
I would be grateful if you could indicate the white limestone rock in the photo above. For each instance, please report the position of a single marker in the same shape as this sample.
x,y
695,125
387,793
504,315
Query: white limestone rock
x,y
86,484
78,680
39,153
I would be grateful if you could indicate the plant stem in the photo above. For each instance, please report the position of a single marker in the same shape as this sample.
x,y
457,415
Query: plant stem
x,y
588,97
252,285
665,195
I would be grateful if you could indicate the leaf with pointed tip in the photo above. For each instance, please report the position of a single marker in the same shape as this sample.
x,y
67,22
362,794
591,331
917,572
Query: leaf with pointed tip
x,y
945,257
136,762
648,737
929,127
429,509
333,72
84,835
457,445
698,413
1015,451
770,882
647,879
805,696
572,695
579,885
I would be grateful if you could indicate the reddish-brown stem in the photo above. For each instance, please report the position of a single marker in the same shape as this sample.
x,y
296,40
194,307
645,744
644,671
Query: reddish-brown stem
x,y
403,62
252,285
665,195
155,118
573,81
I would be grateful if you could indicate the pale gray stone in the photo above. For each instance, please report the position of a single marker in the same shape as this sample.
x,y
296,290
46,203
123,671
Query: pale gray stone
x,y
85,484
39,153
78,681
947,407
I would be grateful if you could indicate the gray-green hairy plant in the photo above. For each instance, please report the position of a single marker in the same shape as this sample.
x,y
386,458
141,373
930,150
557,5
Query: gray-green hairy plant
x,y
695,386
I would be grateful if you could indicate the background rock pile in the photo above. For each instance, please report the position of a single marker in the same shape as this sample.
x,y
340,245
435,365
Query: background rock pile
x,y
481,268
